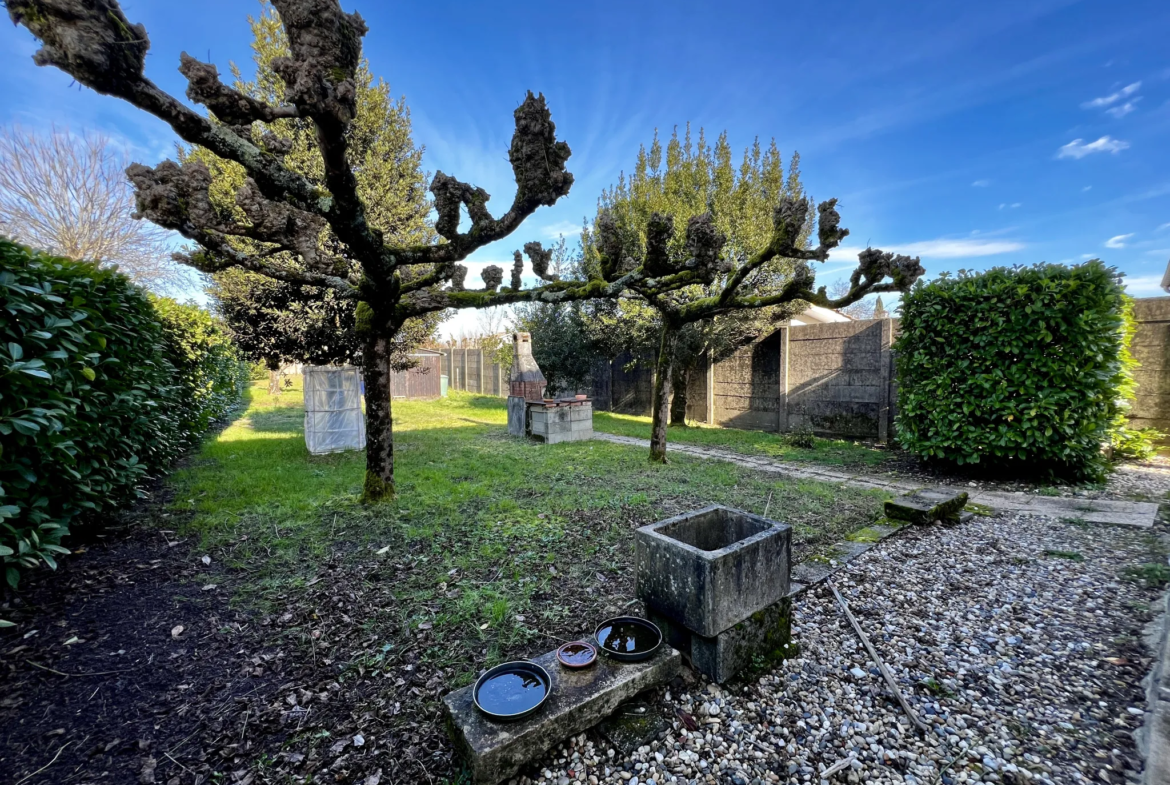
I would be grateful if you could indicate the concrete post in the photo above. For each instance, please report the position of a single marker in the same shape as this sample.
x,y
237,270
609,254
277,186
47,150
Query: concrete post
x,y
887,328
463,370
782,406
710,389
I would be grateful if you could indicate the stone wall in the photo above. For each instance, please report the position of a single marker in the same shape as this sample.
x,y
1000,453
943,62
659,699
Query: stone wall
x,y
1150,347
836,379
472,370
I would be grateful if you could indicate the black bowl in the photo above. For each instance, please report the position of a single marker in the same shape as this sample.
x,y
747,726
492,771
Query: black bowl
x,y
512,691
631,639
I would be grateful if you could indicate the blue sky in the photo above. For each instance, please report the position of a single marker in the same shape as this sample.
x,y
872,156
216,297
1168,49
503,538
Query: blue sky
x,y
973,135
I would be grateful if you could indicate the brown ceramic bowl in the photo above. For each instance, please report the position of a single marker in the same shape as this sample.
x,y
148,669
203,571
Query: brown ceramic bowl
x,y
577,654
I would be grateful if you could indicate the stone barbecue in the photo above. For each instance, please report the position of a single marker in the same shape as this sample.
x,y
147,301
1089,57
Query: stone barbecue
x,y
526,381
531,414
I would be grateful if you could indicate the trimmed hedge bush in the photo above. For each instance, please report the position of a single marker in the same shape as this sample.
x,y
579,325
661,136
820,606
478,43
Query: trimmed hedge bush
x,y
1022,369
101,387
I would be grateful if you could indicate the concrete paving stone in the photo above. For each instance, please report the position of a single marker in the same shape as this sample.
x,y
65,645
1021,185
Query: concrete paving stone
x,y
580,699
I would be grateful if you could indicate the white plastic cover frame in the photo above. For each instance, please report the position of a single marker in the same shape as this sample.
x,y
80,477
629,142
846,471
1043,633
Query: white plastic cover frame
x,y
334,421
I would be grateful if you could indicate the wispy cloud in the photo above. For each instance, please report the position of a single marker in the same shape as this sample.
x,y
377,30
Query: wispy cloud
x,y
566,228
937,249
1121,110
959,249
1087,188
1078,149
1112,98
1164,226
1012,206
1118,241
981,183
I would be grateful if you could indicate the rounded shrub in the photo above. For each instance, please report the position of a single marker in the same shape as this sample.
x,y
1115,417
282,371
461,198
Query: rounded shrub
x,y
1016,369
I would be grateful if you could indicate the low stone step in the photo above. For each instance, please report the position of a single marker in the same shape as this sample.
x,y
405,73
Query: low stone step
x,y
580,699
928,506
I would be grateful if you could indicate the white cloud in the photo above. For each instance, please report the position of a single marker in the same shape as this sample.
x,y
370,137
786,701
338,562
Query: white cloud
x,y
567,228
1145,284
1121,110
959,249
1087,188
981,183
1112,98
1164,226
936,249
1118,241
1078,149
1012,206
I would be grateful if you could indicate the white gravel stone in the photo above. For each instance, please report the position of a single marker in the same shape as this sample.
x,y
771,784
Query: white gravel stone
x,y
1013,637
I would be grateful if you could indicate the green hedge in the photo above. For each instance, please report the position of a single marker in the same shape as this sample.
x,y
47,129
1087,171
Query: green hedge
x,y
101,388
1021,369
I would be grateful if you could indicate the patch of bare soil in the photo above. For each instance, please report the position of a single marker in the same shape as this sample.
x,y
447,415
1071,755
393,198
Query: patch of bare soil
x,y
125,667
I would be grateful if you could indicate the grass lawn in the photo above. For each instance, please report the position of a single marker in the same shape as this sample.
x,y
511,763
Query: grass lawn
x,y
495,547
833,452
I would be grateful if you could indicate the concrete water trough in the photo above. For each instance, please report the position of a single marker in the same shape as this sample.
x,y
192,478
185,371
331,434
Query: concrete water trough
x,y
716,581
711,568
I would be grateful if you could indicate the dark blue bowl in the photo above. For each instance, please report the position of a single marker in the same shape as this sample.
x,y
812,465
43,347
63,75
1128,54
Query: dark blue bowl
x,y
512,691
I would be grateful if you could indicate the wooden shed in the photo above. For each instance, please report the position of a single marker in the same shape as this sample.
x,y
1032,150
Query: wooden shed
x,y
421,381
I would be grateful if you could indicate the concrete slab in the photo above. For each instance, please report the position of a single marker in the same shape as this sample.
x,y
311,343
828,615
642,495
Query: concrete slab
x,y
580,699
927,506
1123,513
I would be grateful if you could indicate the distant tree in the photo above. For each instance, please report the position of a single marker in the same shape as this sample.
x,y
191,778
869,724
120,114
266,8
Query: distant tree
x,y
568,337
862,309
69,195
738,263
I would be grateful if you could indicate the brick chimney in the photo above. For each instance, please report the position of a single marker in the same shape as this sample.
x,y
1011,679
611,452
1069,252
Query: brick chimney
x,y
526,381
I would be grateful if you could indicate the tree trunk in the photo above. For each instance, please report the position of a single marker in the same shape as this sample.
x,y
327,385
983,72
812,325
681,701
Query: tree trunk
x,y
379,482
678,403
662,389
273,376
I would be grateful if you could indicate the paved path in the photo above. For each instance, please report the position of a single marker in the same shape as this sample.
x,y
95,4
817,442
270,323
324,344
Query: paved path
x,y
1091,510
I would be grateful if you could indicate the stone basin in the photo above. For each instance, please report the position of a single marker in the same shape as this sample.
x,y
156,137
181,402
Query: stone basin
x,y
711,569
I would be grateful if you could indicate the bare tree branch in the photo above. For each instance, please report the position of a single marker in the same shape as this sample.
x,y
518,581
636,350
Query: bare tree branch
x,y
68,195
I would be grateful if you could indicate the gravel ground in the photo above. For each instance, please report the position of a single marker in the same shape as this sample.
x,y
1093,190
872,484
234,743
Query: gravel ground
x,y
1014,637
1147,480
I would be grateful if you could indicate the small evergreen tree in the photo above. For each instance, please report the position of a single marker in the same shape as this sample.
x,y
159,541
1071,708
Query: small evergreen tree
x,y
743,254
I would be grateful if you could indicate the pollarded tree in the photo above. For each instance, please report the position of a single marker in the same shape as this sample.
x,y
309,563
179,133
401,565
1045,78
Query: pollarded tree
x,y
316,231
689,177
743,252
275,321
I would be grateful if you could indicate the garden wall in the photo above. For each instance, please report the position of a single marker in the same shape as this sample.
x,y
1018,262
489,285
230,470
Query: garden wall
x,y
473,370
833,378
1151,344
